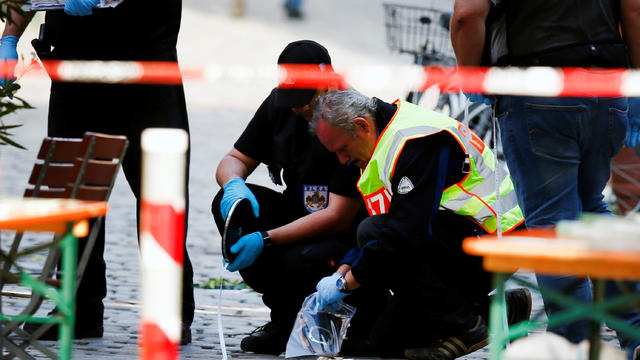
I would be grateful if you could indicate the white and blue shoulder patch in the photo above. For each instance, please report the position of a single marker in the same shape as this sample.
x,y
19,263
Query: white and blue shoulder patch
x,y
405,185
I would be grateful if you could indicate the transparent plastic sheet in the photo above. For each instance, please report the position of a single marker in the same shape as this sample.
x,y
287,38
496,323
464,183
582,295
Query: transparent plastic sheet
x,y
318,333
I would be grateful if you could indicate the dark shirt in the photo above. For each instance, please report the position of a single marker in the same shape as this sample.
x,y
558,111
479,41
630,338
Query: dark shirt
x,y
134,30
280,139
565,33
431,163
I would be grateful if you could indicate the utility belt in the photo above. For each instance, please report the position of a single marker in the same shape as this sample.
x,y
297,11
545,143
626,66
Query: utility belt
x,y
604,55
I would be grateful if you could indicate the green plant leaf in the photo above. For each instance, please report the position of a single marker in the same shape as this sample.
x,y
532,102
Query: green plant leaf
x,y
6,127
7,141
8,107
214,283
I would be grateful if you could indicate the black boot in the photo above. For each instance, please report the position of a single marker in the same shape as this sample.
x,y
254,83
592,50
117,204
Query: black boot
x,y
267,339
84,328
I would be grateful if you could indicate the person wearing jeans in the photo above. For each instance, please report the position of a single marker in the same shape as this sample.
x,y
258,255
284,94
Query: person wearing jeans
x,y
559,152
558,149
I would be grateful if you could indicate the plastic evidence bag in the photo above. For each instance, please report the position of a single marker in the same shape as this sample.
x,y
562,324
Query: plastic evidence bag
x,y
318,333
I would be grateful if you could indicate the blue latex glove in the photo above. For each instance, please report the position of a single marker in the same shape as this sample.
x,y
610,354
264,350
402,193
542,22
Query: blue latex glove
x,y
329,296
248,249
236,189
481,98
633,130
80,7
8,51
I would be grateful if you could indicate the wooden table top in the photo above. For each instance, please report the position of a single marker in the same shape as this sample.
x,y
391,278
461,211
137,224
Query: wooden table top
x,y
542,251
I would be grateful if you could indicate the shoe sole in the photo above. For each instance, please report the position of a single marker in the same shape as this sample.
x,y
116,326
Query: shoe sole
x,y
253,349
452,352
478,346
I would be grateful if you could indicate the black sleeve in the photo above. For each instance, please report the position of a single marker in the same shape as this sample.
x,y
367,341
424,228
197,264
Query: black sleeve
x,y
430,164
257,138
344,181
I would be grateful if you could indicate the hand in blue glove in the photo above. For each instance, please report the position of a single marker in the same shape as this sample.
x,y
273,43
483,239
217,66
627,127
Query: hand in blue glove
x,y
633,130
481,99
80,7
236,189
8,52
248,249
329,296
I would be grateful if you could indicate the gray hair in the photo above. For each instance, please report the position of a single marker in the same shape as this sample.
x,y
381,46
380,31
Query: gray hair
x,y
339,107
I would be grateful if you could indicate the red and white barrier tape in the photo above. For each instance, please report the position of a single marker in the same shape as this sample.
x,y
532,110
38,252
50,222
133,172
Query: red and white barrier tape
x,y
162,216
532,81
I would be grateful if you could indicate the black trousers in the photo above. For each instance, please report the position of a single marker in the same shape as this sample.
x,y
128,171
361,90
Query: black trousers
x,y
75,108
438,291
286,274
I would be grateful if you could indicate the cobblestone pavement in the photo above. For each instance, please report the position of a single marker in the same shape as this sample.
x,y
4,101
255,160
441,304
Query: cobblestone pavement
x,y
218,112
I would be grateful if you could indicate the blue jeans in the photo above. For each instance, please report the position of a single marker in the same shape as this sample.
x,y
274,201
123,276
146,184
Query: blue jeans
x,y
559,153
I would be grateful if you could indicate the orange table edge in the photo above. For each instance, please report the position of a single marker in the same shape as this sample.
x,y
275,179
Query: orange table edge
x,y
69,210
538,251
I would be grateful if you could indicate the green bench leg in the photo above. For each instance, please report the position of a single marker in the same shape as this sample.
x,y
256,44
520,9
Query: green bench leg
x,y
69,262
498,335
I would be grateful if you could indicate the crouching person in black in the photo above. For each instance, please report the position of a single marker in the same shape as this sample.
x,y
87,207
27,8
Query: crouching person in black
x,y
305,230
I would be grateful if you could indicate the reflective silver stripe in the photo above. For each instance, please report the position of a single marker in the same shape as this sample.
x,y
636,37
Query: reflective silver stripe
x,y
478,158
487,186
458,202
398,139
507,202
425,130
484,214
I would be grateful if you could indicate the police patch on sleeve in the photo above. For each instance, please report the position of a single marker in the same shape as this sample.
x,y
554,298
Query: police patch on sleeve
x,y
315,197
405,185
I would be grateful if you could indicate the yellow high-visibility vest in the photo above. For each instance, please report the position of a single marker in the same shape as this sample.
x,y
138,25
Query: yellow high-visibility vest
x,y
474,196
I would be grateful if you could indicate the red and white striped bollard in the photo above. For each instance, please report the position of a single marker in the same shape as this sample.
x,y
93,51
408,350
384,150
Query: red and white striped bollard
x,y
161,240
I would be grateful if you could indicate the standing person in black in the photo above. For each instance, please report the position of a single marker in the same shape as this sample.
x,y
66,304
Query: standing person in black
x,y
134,30
306,228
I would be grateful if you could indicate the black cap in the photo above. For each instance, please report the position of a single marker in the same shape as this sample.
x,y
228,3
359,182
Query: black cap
x,y
300,52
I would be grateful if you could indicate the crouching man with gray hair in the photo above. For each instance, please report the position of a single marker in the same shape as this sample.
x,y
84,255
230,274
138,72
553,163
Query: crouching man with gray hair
x,y
428,182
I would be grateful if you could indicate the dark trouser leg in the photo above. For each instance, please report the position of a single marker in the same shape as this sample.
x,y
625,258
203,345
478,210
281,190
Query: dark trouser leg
x,y
89,307
67,110
369,302
131,167
286,276
630,316
433,297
